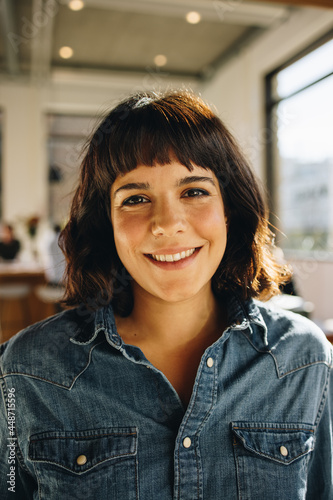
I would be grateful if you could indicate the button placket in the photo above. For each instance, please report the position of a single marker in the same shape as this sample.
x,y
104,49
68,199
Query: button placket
x,y
190,484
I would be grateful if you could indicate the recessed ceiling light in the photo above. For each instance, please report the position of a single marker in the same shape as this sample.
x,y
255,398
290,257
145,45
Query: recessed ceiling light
x,y
66,52
160,60
193,17
76,4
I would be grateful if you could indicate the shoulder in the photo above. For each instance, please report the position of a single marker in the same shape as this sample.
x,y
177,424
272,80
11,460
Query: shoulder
x,y
46,349
294,340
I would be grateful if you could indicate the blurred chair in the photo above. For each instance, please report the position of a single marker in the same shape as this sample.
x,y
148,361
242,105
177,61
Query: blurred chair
x,y
50,296
14,309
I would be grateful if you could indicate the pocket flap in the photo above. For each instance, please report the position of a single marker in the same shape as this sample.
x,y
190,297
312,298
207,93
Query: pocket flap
x,y
82,450
283,443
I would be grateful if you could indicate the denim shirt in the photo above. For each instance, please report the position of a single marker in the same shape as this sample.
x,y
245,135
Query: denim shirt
x,y
85,416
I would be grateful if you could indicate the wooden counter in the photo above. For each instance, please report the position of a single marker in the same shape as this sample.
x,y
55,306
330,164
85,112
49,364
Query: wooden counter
x,y
18,312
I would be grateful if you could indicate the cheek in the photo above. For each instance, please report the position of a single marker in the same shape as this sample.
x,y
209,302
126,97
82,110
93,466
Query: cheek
x,y
212,221
128,231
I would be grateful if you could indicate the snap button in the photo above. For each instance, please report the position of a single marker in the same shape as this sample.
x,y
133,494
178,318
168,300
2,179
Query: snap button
x,y
210,362
81,460
187,442
283,451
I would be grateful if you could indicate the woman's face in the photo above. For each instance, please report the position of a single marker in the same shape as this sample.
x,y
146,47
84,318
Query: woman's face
x,y
169,229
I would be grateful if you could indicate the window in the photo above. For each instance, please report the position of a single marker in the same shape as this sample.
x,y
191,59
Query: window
x,y
300,155
66,137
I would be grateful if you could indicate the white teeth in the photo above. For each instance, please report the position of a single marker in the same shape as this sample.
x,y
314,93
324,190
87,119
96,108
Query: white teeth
x,y
174,257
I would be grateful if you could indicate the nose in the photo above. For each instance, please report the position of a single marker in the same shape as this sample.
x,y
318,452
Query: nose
x,y
168,219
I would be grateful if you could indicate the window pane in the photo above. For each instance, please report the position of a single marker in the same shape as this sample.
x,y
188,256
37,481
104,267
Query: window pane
x,y
309,69
305,155
67,135
69,125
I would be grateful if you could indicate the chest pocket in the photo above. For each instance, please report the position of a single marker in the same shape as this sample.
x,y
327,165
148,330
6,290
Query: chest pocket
x,y
86,464
272,459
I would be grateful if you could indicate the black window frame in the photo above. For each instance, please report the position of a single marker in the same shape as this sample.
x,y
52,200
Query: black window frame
x,y
270,104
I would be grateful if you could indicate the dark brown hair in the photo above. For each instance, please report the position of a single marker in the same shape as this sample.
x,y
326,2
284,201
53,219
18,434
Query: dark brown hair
x,y
148,129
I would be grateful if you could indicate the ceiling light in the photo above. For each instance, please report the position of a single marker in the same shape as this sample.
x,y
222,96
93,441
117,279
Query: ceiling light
x,y
193,17
160,60
76,4
66,52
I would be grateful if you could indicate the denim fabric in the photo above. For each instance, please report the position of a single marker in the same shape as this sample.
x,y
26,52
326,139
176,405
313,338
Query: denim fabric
x,y
93,419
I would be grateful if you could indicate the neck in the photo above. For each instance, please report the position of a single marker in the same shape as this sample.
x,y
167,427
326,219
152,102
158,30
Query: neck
x,y
165,323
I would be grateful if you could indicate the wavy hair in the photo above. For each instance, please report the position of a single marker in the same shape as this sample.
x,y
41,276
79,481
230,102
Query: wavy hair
x,y
154,128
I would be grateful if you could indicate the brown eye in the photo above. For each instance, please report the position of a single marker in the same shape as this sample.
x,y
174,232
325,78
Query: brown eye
x,y
135,200
195,192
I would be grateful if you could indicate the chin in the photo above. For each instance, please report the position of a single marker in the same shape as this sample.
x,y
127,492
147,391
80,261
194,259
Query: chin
x,y
179,293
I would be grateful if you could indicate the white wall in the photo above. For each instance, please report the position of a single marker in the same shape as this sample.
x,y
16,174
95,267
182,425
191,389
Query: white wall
x,y
237,92
23,162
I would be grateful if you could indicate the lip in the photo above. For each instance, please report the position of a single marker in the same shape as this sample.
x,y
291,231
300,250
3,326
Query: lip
x,y
179,264
170,251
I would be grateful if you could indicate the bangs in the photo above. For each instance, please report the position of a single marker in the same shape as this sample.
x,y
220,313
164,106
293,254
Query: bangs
x,y
149,130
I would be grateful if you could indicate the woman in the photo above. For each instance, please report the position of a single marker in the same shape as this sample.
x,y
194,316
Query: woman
x,y
166,379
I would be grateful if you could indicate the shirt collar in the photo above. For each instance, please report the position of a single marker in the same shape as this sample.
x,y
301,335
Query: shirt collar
x,y
241,315
92,323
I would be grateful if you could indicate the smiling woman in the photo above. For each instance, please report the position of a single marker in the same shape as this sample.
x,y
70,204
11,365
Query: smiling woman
x,y
145,131
169,377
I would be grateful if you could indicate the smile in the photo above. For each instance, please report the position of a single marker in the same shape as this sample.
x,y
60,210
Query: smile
x,y
173,257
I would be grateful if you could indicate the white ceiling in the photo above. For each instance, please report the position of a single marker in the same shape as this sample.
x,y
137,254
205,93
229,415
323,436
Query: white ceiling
x,y
125,35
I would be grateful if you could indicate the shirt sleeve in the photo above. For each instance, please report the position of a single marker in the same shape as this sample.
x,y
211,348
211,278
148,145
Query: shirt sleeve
x,y
15,482
320,479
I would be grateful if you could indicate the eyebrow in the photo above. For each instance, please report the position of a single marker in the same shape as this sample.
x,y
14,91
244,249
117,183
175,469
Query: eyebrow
x,y
132,185
146,186
194,178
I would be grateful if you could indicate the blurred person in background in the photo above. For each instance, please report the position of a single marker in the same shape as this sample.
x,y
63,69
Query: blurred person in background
x,y
9,244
